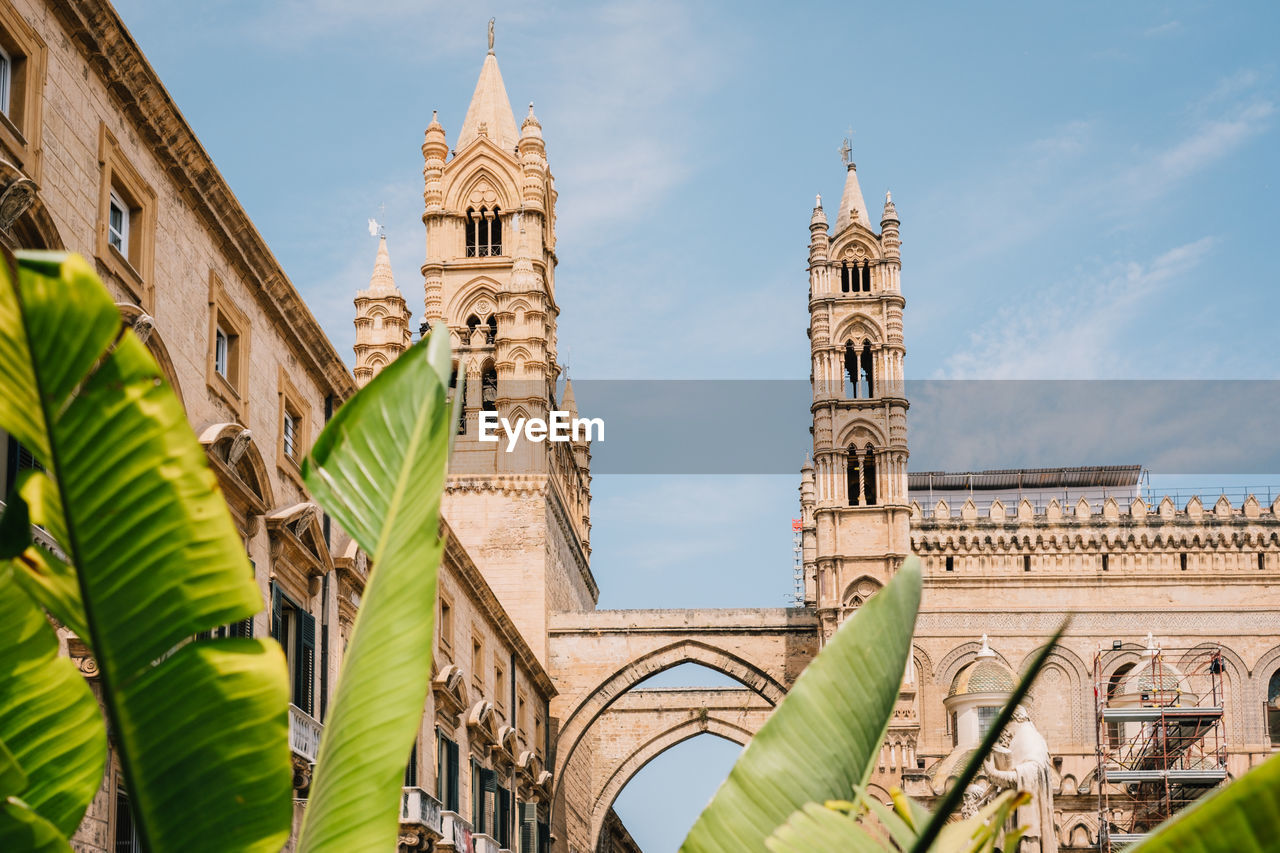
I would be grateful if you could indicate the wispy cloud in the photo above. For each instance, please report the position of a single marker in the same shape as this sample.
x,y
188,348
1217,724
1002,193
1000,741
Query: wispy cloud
x,y
1168,28
1064,331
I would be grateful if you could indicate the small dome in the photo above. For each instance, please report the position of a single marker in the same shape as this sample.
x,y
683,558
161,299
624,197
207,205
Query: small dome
x,y
1152,676
985,675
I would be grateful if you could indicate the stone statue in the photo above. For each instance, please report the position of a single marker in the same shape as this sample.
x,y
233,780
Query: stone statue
x,y
491,20
1025,754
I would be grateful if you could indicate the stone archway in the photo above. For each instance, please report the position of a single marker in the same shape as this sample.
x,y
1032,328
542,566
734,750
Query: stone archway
x,y
710,721
611,727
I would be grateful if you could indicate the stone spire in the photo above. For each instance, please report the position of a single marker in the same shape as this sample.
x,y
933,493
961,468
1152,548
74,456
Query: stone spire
x,y
852,207
490,111
382,320
382,282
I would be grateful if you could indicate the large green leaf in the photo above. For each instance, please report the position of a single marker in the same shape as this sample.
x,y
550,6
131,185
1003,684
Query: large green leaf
x,y
201,727
49,719
821,740
1243,817
379,469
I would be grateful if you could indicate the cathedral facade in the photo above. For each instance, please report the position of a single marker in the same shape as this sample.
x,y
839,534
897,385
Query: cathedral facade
x,y
538,714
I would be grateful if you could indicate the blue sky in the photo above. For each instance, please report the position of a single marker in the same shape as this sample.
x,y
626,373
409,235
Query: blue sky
x,y
1086,191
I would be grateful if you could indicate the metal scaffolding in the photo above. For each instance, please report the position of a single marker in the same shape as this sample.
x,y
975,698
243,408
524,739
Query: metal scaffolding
x,y
1160,739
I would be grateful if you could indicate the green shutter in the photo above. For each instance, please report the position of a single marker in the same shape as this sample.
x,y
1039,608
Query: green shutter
x,y
453,805
277,616
528,827
305,672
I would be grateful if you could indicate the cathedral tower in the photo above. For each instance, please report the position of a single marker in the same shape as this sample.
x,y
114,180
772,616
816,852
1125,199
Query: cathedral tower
x,y
854,492
489,277
382,320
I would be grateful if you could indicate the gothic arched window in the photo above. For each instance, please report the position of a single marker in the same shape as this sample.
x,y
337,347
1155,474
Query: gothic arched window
x,y
850,371
854,477
864,277
472,227
489,388
866,371
495,233
1273,708
869,476
846,281
491,335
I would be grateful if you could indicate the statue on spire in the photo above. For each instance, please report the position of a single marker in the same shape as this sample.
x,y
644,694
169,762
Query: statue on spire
x,y
846,151
491,20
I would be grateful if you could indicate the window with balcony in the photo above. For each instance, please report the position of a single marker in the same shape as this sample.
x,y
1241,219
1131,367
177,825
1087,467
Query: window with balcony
x,y
295,630
447,790
483,231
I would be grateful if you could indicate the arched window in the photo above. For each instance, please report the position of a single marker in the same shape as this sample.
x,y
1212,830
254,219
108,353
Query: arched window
x,y
864,277
462,411
846,281
1273,708
854,477
865,368
489,388
472,322
495,233
1115,731
850,371
869,476
472,228
492,334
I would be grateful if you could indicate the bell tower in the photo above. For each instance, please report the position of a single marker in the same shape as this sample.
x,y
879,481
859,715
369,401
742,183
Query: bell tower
x,y
854,491
489,277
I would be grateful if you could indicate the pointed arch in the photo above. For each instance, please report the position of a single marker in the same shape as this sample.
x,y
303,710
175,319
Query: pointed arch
x,y
482,167
479,296
650,750
596,700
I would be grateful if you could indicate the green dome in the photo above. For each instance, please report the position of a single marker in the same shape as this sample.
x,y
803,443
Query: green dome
x,y
983,676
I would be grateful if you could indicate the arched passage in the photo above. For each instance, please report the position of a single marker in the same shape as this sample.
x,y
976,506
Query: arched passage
x,y
607,692
651,749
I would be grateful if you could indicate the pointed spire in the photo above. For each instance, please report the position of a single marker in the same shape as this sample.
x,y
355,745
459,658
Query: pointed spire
x,y
490,111
852,207
819,215
531,126
568,403
890,212
382,282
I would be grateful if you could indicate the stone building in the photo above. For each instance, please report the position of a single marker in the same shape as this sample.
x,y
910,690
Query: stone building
x,y
1007,553
538,715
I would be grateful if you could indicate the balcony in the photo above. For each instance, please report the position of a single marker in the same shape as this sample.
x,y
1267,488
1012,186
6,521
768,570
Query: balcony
x,y
484,844
418,808
454,831
304,734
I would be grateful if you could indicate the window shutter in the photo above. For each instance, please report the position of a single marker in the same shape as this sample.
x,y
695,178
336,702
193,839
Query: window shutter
x,y
489,793
277,616
477,798
452,804
243,628
503,820
544,836
528,827
411,769
305,672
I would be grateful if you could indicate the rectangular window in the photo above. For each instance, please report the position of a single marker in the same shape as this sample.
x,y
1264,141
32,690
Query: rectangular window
x,y
295,630
126,832
499,691
986,718
221,352
118,224
445,629
477,662
290,435
6,80
951,564
411,769
1273,724
447,772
